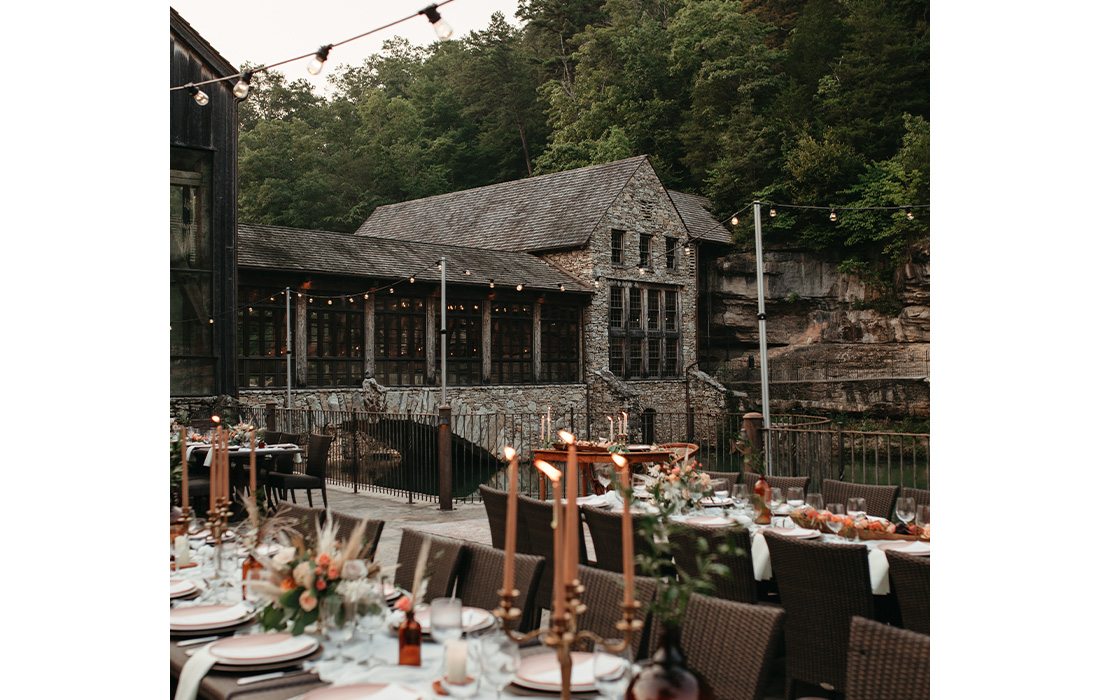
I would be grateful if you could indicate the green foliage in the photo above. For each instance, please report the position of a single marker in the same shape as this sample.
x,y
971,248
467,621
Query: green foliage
x,y
819,102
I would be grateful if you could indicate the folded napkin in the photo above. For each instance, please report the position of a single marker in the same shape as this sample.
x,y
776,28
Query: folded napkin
x,y
597,500
393,691
193,672
915,547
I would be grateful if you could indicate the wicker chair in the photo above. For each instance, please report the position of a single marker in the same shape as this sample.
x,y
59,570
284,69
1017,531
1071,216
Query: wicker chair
x,y
910,578
535,517
880,499
922,497
480,580
315,472
722,481
783,482
306,520
822,587
496,510
603,600
740,585
681,451
887,662
606,529
729,644
444,562
345,524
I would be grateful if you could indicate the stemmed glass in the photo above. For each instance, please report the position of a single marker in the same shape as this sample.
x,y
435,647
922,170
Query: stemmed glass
x,y
795,497
372,613
857,508
815,501
775,499
923,516
338,614
836,520
612,670
740,495
906,509
603,475
499,660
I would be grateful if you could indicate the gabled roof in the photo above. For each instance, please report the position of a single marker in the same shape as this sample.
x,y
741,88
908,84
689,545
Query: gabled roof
x,y
302,250
546,212
201,46
695,211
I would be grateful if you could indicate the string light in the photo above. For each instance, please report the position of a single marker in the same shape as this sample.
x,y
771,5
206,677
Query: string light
x,y
641,270
832,215
250,309
201,98
240,90
772,212
561,287
318,63
330,302
519,287
211,322
734,220
492,284
391,290
442,29
466,272
299,295
412,279
909,215
366,296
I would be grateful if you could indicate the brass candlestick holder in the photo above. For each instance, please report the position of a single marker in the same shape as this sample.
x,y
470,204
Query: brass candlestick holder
x,y
563,634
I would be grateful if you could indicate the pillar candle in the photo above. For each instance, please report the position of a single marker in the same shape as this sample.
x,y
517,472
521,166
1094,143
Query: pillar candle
x,y
626,427
252,466
510,526
628,529
454,661
611,427
184,500
226,493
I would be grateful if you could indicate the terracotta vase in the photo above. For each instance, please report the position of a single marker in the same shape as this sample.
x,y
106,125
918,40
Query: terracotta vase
x,y
666,676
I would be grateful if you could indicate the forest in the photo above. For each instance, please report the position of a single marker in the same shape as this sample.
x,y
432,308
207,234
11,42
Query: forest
x,y
811,102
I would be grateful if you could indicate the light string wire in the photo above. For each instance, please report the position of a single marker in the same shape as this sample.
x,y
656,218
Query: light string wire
x,y
268,67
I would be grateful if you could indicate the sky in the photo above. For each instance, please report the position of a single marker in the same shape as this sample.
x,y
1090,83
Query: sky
x,y
268,31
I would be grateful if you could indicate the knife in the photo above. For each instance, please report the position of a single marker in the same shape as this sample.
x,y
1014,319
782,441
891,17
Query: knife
x,y
270,676
197,640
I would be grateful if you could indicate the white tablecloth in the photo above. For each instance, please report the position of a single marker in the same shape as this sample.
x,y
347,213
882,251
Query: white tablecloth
x,y
876,560
273,450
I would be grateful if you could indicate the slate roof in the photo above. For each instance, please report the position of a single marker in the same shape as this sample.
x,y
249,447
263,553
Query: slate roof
x,y
188,33
292,249
695,211
546,212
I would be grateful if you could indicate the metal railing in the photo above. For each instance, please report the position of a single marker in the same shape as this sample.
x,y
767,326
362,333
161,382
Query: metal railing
x,y
848,455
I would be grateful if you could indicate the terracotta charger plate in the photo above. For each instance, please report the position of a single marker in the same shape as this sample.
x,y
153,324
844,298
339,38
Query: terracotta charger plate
x,y
542,672
390,691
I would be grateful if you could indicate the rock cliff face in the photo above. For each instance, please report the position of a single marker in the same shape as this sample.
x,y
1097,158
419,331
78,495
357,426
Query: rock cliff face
x,y
835,343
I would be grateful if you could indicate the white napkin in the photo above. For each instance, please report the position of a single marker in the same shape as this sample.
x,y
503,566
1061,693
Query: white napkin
x,y
193,672
915,547
597,500
880,571
761,558
394,691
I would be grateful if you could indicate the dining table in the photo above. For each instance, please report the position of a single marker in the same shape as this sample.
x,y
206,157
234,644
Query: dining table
x,y
587,458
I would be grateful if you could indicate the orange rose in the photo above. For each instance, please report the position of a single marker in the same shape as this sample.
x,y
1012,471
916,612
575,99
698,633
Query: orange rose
x,y
287,584
307,601
333,571
321,584
323,559
404,603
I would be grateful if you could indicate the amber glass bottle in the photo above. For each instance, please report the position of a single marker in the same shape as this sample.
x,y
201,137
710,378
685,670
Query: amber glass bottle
x,y
760,501
408,641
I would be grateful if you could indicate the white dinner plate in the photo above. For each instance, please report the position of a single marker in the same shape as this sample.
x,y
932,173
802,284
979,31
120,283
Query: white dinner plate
x,y
914,547
181,587
801,533
708,520
473,619
203,617
253,649
543,672
709,501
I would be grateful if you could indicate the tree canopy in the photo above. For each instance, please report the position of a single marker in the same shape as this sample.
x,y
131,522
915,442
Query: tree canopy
x,y
822,102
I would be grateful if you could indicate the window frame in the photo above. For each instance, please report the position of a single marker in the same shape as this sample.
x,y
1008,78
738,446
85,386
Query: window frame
x,y
631,346
268,367
645,251
409,326
322,331
618,247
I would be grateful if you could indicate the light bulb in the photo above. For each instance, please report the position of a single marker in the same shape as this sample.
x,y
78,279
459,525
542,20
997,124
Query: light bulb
x,y
250,309
442,29
772,212
201,98
641,270
519,287
330,302
240,90
299,295
391,290
909,215
492,284
597,282
412,279
317,63
561,287
466,272
211,322
735,220
366,296
832,215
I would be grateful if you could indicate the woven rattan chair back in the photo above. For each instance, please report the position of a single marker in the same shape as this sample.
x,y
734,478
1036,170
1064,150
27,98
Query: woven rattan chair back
x,y
822,587
444,563
880,499
305,520
740,585
603,600
722,481
887,662
729,644
783,482
535,517
681,451
481,578
346,524
272,437
496,510
317,456
910,579
606,529
922,497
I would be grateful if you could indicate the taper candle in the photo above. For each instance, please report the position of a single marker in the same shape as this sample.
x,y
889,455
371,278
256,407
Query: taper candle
x,y
572,516
628,528
252,466
510,526
554,475
184,499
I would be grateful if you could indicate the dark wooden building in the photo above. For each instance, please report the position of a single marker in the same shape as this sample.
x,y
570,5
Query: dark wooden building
x,y
203,217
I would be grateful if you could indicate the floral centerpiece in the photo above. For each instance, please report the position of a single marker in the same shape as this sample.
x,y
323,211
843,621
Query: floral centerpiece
x,y
241,433
296,579
677,489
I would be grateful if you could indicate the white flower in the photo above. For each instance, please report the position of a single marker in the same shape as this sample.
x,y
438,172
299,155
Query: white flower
x,y
353,569
303,574
284,556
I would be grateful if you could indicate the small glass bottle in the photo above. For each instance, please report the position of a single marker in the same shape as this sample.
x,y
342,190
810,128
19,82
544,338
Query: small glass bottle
x,y
408,641
760,501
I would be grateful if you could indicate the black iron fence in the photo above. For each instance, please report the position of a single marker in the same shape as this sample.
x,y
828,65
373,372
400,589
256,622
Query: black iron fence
x,y
398,453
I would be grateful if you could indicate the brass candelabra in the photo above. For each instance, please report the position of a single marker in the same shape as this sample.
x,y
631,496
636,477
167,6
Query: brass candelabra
x,y
563,633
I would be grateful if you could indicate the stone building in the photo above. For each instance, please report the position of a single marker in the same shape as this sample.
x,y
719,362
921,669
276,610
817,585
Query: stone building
x,y
574,292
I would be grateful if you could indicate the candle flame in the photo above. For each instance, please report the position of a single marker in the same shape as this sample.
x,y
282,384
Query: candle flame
x,y
567,437
548,470
215,419
619,460
624,414
509,453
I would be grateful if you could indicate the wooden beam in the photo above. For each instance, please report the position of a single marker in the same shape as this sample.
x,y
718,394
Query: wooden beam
x,y
301,340
431,336
368,337
536,342
486,341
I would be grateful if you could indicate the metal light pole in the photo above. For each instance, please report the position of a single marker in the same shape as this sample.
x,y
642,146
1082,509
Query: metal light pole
x,y
288,349
446,476
763,325
443,330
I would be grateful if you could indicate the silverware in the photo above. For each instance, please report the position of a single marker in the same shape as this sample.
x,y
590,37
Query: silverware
x,y
271,676
197,640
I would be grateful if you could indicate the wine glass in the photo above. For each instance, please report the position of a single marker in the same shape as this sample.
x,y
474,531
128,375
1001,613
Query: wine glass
x,y
499,660
836,520
815,501
906,509
372,615
923,516
775,499
603,475
338,614
612,670
857,508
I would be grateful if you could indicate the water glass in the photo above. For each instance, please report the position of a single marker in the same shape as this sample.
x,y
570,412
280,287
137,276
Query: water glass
x,y
740,494
857,508
906,509
338,620
815,501
372,613
499,660
923,516
795,497
446,619
836,519
611,669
